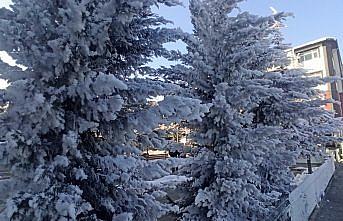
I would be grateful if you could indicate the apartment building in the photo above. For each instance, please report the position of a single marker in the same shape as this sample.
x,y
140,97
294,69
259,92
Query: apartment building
x,y
321,58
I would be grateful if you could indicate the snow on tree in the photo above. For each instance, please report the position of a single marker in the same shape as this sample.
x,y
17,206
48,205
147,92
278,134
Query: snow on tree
x,y
254,130
77,117
307,126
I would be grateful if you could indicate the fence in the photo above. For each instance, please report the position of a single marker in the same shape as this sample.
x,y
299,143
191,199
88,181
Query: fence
x,y
306,196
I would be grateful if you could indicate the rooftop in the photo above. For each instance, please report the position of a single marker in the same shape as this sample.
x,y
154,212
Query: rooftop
x,y
314,42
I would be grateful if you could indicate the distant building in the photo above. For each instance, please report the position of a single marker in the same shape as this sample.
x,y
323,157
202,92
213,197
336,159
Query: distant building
x,y
321,58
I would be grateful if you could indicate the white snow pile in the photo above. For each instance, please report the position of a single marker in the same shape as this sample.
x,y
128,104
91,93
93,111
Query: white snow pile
x,y
299,178
170,180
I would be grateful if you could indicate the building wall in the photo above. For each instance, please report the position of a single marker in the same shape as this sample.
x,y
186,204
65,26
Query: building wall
x,y
321,58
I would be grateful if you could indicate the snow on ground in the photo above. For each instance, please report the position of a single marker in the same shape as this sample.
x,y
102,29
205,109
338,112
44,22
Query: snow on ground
x,y
299,178
170,180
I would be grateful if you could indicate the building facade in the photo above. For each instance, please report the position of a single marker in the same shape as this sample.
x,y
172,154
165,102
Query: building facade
x,y
321,58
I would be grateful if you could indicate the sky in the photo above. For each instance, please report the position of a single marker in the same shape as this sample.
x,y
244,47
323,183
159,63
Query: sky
x,y
312,19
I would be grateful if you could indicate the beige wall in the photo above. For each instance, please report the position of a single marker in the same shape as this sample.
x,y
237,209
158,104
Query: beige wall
x,y
320,58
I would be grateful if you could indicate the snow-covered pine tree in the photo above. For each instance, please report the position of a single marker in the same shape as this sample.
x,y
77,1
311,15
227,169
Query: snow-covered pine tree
x,y
76,116
242,165
307,127
227,57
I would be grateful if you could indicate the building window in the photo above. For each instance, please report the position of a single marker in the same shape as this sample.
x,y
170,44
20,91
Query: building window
x,y
315,74
308,55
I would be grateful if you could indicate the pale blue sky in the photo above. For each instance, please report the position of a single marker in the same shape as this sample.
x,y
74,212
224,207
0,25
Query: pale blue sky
x,y
5,3
313,19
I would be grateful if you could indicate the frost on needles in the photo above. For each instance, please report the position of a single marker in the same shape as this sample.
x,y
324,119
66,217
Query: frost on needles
x,y
259,121
77,117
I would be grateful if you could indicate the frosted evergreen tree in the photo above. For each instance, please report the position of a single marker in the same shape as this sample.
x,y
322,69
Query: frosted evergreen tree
x,y
228,55
77,116
247,141
307,126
